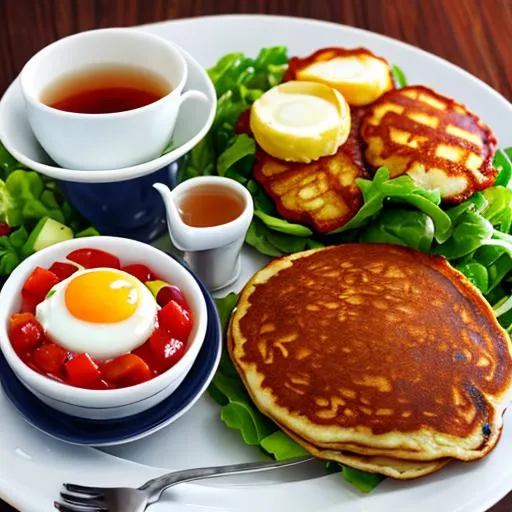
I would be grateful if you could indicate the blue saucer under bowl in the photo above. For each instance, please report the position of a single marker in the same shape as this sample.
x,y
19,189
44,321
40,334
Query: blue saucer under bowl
x,y
104,433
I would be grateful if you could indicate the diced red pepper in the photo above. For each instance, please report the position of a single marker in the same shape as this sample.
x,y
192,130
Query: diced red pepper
x,y
243,123
171,292
176,320
126,370
50,358
101,384
168,350
63,270
141,272
25,332
4,229
94,258
145,352
82,371
29,303
39,283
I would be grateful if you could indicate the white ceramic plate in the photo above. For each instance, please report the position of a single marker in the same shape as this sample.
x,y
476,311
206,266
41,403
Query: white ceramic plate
x,y
32,466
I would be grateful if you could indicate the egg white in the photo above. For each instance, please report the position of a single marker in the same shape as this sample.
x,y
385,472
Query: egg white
x,y
100,340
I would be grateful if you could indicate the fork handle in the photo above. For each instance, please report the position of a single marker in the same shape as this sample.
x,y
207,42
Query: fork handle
x,y
156,486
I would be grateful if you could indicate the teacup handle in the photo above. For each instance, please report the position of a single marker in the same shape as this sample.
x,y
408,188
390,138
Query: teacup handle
x,y
193,95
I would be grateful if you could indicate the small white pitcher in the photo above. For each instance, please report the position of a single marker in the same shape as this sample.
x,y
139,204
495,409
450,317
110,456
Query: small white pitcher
x,y
213,253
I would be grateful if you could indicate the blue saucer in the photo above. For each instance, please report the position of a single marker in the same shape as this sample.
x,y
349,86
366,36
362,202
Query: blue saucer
x,y
96,433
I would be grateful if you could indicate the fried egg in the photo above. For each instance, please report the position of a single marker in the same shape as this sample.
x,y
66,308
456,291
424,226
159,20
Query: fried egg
x,y
103,311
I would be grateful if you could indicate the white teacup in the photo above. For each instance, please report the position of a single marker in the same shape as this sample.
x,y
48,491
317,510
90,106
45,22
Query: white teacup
x,y
113,140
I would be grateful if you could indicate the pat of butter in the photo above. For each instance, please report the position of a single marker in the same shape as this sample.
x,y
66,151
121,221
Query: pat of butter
x,y
361,79
300,121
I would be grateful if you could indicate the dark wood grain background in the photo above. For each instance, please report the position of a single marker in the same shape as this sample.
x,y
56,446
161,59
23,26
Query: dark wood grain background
x,y
474,34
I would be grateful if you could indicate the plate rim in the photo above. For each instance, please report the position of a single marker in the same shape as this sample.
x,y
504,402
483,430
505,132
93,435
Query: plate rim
x,y
503,485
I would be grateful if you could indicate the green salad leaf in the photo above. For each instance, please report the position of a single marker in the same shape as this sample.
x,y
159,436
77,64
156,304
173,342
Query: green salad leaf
x,y
503,163
26,198
283,226
11,250
400,190
468,232
242,146
410,228
399,76
362,480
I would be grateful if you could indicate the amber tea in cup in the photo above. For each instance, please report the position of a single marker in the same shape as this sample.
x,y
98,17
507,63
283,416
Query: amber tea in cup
x,y
120,91
106,89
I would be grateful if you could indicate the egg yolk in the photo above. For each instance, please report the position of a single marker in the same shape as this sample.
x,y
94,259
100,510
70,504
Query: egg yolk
x,y
102,297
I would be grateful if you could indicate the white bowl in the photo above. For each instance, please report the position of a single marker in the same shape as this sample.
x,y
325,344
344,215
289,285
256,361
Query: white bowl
x,y
116,403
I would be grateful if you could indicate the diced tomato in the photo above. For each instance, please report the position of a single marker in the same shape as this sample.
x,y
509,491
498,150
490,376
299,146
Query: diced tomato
x,y
29,303
4,229
101,384
25,332
39,283
63,270
126,370
243,124
145,352
168,350
171,292
50,358
141,272
176,320
94,258
82,371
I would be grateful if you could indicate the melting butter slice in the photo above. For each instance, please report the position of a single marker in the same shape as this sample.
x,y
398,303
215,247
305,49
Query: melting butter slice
x,y
300,121
360,78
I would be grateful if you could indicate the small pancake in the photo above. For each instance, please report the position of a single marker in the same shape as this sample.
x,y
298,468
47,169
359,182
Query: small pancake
x,y
391,467
438,142
374,345
357,73
322,194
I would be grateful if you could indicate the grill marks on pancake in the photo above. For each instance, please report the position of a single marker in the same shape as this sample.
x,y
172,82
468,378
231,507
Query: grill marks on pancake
x,y
414,126
322,194
379,334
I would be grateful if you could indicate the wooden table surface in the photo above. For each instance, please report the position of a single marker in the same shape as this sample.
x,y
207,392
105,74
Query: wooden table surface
x,y
474,34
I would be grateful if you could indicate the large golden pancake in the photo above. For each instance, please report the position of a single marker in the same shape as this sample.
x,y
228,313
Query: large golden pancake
x,y
322,194
374,345
438,142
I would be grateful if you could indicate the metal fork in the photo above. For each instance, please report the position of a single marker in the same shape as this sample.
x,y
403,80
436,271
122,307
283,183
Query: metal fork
x,y
79,498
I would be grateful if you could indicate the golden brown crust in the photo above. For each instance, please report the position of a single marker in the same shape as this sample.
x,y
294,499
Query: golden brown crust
x,y
374,345
414,127
392,467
